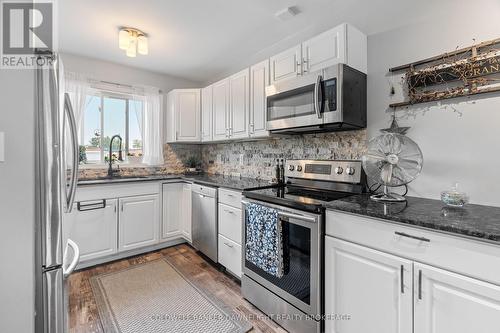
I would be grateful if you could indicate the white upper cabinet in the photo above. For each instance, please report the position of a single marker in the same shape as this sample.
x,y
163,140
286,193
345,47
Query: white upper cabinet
x,y
342,44
446,302
368,285
183,116
220,111
286,64
259,79
324,50
239,104
206,114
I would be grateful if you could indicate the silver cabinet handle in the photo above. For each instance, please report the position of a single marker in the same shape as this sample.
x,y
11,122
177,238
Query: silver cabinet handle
x,y
228,245
403,234
297,216
419,284
76,156
229,211
121,207
402,279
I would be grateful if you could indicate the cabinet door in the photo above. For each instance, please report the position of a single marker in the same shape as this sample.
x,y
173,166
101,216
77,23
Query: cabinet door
x,y
239,104
373,288
286,65
138,222
188,115
171,210
206,114
220,109
186,212
446,302
94,227
325,49
259,79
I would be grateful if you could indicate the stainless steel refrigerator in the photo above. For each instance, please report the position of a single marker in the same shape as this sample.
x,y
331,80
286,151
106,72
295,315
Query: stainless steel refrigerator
x,y
56,180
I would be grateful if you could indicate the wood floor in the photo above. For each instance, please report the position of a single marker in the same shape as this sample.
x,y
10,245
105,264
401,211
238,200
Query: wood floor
x,y
83,314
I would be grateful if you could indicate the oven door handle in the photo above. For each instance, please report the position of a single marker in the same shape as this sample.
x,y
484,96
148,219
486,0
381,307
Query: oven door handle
x,y
297,216
318,96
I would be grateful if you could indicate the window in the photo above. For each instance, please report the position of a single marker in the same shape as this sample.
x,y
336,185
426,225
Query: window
x,y
106,115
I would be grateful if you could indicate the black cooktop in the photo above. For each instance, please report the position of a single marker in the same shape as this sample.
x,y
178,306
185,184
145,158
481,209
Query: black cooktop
x,y
298,197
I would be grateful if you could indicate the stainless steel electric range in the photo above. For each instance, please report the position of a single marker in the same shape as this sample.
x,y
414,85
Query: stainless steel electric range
x,y
295,300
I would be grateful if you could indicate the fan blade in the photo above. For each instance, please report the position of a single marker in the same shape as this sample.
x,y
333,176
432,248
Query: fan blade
x,y
375,157
386,173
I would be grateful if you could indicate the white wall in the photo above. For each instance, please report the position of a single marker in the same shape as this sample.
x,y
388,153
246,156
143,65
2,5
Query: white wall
x,y
17,201
109,71
460,140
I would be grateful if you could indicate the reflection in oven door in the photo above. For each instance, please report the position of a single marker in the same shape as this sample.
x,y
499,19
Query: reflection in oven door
x,y
300,283
296,279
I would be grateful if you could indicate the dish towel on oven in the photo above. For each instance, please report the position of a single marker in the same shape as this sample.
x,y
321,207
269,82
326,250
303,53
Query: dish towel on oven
x,y
264,239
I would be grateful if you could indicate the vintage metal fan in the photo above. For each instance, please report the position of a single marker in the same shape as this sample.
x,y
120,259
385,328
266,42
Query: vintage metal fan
x,y
392,160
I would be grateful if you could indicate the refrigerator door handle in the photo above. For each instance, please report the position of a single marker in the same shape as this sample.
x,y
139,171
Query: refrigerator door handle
x,y
74,144
76,258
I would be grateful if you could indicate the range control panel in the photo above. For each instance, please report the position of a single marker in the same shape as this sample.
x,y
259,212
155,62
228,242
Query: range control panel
x,y
331,170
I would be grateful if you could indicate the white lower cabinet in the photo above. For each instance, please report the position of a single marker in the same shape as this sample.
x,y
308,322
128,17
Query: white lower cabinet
x,y
383,292
446,302
176,215
93,226
373,288
138,222
172,208
230,255
186,214
229,222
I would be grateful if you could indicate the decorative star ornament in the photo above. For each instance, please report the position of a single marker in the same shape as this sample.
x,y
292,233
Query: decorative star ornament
x,y
395,128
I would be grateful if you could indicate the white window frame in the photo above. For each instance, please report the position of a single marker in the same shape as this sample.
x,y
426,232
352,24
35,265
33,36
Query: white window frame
x,y
101,94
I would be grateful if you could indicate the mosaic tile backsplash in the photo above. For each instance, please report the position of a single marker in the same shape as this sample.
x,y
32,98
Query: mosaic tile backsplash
x,y
253,159
259,157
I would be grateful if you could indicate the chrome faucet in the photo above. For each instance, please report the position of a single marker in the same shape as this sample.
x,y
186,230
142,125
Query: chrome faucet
x,y
110,159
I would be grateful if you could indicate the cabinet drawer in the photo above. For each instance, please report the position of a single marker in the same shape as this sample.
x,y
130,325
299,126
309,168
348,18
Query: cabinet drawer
x,y
230,223
230,198
459,254
230,255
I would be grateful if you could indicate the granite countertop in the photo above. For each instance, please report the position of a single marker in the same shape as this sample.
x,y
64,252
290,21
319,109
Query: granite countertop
x,y
476,221
234,183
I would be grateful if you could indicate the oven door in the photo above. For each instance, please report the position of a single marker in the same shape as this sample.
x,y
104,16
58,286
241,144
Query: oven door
x,y
300,284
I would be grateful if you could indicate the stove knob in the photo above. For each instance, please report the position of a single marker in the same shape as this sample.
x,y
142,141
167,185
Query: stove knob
x,y
291,167
299,168
339,170
350,171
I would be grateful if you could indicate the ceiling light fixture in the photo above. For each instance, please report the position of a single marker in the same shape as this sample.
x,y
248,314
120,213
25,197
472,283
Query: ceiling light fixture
x,y
133,41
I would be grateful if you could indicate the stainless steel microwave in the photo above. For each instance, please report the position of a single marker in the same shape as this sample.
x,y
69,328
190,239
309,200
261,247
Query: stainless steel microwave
x,y
333,99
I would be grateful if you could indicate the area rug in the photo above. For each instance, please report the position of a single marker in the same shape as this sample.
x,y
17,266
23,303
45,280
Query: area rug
x,y
156,297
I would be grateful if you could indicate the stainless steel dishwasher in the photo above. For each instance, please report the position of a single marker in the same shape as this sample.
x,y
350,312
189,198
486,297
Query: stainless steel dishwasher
x,y
204,215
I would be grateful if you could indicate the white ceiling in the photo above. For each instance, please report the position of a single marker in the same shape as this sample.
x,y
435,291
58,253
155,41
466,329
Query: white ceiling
x,y
202,40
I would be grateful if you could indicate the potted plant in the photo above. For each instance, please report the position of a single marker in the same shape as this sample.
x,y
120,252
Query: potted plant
x,y
192,163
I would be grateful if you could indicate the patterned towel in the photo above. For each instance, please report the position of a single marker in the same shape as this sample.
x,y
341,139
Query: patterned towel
x,y
264,239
